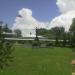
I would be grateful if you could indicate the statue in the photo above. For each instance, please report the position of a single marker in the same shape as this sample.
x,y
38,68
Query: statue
x,y
36,38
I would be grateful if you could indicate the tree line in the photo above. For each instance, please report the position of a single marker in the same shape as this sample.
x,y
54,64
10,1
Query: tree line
x,y
6,47
59,33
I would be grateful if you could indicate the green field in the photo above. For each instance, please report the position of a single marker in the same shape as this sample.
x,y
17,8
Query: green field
x,y
40,61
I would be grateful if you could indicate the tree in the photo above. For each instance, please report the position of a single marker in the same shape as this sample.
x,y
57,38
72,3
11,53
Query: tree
x,y
72,27
57,33
72,32
6,29
6,48
43,32
18,33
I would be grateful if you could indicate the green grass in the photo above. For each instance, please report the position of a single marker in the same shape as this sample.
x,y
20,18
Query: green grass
x,y
40,61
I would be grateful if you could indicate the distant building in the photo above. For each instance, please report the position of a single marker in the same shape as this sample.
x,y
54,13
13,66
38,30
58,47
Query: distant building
x,y
9,35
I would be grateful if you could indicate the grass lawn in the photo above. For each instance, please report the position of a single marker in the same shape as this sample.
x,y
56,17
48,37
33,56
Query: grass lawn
x,y
40,61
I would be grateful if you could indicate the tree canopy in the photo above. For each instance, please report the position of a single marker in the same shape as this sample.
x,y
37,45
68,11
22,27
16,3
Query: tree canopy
x,y
18,33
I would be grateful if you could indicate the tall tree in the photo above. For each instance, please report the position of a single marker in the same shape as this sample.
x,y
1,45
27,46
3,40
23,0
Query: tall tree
x,y
57,33
6,29
72,32
5,50
72,27
43,32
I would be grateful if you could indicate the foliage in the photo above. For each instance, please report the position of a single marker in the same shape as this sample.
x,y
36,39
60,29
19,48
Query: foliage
x,y
35,44
43,32
5,54
72,27
6,48
6,28
49,44
18,33
57,33
72,33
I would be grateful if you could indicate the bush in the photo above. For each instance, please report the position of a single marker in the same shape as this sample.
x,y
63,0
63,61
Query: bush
x,y
35,44
49,44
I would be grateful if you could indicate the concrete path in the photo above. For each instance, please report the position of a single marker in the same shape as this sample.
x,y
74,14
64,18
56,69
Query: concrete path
x,y
73,73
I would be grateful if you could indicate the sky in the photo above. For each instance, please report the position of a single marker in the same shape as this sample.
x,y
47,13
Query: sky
x,y
43,10
26,15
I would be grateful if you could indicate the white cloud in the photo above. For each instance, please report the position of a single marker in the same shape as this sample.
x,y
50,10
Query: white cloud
x,y
27,23
63,20
66,5
67,9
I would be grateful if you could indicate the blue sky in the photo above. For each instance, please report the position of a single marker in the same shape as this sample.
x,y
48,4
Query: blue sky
x,y
43,10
